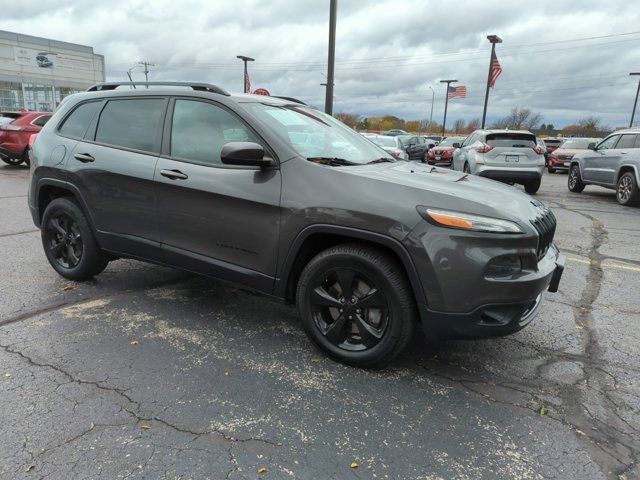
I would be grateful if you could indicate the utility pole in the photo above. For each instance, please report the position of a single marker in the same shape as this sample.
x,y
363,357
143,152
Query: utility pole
x,y
146,69
635,103
493,39
446,103
246,73
433,98
328,100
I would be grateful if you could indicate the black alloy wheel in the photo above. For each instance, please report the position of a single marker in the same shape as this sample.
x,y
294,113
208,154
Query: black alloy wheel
x,y
574,182
356,303
349,310
63,238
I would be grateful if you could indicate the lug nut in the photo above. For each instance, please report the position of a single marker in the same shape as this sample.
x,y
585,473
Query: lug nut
x,y
353,299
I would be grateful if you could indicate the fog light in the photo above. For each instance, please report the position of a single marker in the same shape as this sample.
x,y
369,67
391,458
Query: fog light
x,y
503,266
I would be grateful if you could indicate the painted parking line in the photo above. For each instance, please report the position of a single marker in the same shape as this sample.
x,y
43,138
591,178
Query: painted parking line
x,y
618,266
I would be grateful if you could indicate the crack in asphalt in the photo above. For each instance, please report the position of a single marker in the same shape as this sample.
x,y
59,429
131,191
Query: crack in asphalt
x,y
18,233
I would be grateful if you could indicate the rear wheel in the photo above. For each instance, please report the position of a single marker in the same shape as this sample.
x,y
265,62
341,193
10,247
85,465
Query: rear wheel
x,y
574,182
69,243
532,187
627,192
356,304
551,170
12,161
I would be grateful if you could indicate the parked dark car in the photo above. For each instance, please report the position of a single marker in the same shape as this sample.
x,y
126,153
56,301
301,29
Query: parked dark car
x,y
280,198
561,157
15,134
415,146
613,163
442,154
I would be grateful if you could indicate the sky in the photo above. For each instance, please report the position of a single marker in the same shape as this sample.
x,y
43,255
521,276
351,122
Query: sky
x,y
564,59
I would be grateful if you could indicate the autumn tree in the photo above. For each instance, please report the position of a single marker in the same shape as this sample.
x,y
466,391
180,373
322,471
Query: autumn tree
x,y
459,125
587,127
520,118
349,119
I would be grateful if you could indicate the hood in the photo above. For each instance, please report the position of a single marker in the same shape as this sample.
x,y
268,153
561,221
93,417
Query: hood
x,y
567,151
422,184
442,149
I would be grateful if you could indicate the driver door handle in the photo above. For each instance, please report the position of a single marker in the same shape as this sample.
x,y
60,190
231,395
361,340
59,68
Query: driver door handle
x,y
84,157
174,174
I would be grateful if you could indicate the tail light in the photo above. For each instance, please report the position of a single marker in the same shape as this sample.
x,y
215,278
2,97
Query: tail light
x,y
538,149
32,138
483,148
395,154
430,154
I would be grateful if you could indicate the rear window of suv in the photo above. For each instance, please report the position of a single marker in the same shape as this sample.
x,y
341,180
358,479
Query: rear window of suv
x,y
511,140
77,123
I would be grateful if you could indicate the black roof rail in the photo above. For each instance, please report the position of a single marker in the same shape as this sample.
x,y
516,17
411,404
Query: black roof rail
x,y
291,99
203,87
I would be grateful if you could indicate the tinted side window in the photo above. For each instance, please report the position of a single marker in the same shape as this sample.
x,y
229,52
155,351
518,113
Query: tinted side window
x,y
608,142
41,121
637,144
77,123
199,131
626,141
131,123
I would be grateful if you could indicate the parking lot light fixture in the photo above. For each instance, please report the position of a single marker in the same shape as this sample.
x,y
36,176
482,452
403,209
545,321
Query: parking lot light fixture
x,y
446,103
635,102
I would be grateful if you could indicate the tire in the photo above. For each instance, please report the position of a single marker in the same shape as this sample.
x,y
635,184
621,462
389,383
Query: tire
x,y
574,182
466,168
551,170
69,243
12,161
365,333
25,157
627,192
533,186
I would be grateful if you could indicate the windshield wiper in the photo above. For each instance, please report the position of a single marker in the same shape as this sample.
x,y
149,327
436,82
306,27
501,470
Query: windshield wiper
x,y
381,160
333,161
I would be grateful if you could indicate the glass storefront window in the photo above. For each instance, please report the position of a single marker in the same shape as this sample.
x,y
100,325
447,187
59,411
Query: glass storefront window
x,y
11,96
38,97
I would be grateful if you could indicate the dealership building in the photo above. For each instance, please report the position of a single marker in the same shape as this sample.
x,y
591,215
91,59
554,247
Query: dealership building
x,y
37,73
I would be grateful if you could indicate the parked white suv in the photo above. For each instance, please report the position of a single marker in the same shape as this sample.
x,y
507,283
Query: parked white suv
x,y
511,156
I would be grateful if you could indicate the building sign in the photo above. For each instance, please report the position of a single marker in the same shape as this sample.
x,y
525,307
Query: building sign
x,y
43,59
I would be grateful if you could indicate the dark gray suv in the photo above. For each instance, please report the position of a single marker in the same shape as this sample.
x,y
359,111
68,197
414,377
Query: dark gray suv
x,y
275,196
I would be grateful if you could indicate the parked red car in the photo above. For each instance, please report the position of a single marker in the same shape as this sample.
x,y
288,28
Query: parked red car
x,y
442,154
14,134
561,157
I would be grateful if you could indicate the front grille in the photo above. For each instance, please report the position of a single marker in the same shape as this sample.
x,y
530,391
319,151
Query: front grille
x,y
565,157
545,225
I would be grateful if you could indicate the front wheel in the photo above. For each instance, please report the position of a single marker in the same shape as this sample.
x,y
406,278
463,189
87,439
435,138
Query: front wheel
x,y
551,170
574,182
12,161
532,187
356,304
627,192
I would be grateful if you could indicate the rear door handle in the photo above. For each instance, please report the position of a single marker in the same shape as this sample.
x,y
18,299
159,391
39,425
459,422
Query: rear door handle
x,y
84,157
174,174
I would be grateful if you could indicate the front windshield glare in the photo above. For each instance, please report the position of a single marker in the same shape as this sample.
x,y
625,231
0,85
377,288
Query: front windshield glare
x,y
578,143
315,134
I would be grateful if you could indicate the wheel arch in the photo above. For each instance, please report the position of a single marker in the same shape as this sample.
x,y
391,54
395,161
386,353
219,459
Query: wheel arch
x,y
628,168
316,238
48,189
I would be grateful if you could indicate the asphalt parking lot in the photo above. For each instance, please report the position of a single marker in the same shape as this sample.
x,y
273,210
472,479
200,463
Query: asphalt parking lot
x,y
147,372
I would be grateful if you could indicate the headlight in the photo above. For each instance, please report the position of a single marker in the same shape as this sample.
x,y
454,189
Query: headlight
x,y
467,221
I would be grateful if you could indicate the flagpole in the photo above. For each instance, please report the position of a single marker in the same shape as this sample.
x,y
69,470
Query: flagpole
x,y
493,39
245,59
446,103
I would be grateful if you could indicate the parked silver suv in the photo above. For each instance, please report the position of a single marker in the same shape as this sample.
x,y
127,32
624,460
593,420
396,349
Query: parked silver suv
x,y
613,163
511,156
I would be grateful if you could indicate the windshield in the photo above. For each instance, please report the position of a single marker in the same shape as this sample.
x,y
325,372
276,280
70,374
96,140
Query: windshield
x,y
384,141
511,140
314,134
578,143
449,141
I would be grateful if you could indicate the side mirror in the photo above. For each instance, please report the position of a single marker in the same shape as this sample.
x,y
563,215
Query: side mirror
x,y
456,145
431,145
246,154
592,146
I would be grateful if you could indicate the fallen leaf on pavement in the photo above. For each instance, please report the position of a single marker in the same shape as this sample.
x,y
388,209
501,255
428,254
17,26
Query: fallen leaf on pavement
x,y
134,342
262,470
29,468
315,359
7,375
543,410
70,286
145,426
354,465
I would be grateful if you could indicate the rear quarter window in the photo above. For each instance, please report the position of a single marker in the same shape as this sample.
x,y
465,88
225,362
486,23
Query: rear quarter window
x,y
76,124
511,140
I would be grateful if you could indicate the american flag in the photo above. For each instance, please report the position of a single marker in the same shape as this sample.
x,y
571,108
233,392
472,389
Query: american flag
x,y
457,92
496,69
247,83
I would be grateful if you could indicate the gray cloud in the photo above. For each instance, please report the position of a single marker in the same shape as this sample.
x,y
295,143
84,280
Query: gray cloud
x,y
388,51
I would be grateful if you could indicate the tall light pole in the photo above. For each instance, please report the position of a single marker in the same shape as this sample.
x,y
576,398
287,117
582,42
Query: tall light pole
x,y
246,73
433,98
635,103
493,39
328,100
446,102
146,69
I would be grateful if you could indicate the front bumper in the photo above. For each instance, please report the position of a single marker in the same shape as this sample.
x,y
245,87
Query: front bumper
x,y
506,174
559,164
